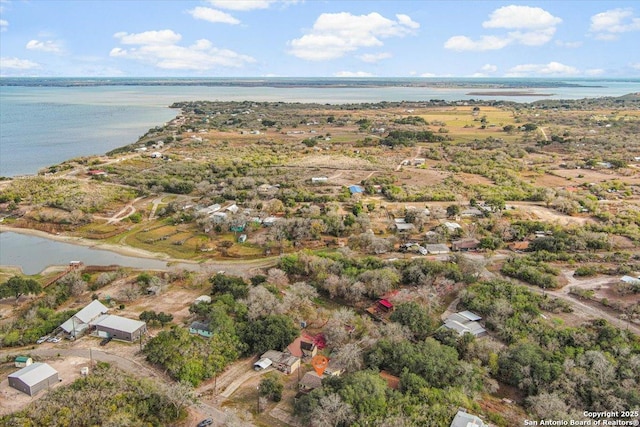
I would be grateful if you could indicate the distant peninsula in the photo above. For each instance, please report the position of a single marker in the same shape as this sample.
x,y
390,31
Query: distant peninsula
x,y
295,82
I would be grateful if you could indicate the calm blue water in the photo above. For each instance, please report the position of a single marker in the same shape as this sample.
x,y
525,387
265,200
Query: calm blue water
x,y
42,126
34,254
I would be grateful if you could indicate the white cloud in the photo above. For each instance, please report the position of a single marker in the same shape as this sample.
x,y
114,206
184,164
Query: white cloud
x,y
159,48
489,68
162,37
569,45
636,66
428,75
609,24
335,34
4,24
212,15
353,74
17,64
374,57
44,46
550,69
533,27
461,43
513,16
247,4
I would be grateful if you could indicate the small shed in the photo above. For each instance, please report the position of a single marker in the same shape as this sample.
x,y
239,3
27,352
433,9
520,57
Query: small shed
x,y
385,305
23,361
34,378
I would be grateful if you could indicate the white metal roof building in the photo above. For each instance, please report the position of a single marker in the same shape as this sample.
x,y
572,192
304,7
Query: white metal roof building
x,y
462,419
34,378
120,328
80,321
465,322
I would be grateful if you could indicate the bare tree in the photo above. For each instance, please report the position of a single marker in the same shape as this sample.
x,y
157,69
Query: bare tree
x,y
349,357
180,394
260,303
332,412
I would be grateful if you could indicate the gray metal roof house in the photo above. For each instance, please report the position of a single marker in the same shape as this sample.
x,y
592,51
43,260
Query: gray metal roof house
x,y
80,322
34,378
120,328
465,322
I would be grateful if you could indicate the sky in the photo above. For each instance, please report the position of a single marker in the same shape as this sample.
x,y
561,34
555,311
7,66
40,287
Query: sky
x,y
315,38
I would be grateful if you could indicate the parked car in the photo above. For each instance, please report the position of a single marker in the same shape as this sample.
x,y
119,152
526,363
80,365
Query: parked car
x,y
106,341
54,339
205,422
42,339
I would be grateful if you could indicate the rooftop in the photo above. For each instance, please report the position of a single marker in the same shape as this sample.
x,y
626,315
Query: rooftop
x,y
34,373
121,323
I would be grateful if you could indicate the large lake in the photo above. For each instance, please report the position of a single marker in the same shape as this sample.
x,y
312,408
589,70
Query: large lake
x,y
34,254
41,125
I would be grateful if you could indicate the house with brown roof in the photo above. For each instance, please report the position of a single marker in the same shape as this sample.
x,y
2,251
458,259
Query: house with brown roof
x,y
465,244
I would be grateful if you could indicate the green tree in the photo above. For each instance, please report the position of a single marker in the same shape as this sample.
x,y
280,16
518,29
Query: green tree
x,y
17,286
453,210
224,284
273,332
271,387
415,317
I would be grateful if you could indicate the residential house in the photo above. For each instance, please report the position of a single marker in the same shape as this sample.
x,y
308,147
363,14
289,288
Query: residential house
x,y
402,225
452,227
201,328
465,244
437,249
83,319
465,322
269,221
333,369
309,382
34,378
283,362
302,347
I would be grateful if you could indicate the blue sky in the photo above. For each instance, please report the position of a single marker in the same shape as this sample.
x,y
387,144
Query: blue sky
x,y
313,38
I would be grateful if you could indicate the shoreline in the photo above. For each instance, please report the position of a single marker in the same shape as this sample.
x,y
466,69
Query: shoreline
x,y
237,267
119,249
